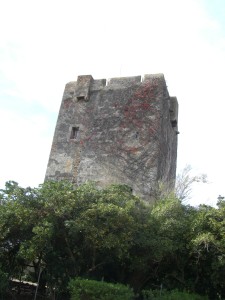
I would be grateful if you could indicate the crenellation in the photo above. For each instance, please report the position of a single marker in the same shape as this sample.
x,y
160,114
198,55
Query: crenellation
x,y
69,90
83,87
98,84
173,111
124,82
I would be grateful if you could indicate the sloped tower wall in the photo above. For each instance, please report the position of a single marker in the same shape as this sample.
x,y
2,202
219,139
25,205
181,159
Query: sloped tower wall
x,y
121,131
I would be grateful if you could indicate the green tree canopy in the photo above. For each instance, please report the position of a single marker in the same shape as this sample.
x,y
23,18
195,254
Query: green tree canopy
x,y
109,234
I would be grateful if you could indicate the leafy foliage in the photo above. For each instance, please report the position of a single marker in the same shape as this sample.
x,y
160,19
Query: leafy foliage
x,y
61,233
170,295
98,290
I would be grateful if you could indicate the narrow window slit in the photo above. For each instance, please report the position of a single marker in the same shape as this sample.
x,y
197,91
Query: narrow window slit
x,y
80,98
74,133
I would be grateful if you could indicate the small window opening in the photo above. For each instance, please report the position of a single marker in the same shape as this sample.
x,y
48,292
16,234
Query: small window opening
x,y
80,98
174,123
74,133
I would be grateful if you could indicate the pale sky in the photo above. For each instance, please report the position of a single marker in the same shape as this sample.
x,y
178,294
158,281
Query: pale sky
x,y
45,44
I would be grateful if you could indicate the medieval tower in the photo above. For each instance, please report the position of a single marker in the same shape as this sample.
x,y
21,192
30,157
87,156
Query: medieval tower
x,y
123,130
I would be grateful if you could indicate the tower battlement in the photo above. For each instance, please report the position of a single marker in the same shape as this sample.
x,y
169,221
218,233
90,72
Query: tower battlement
x,y
121,130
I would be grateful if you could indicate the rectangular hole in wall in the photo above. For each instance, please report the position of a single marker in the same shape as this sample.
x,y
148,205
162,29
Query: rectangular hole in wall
x,y
174,123
80,98
74,133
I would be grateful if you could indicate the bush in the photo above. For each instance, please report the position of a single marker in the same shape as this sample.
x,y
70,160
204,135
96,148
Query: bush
x,y
85,289
170,295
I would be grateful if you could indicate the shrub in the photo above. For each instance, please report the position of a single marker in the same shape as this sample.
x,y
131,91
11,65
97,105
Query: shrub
x,y
85,289
170,295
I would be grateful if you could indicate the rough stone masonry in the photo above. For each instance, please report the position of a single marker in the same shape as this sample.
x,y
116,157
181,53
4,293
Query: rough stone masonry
x,y
123,130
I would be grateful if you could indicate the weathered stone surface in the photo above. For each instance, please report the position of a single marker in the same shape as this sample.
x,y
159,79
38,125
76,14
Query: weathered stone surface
x,y
124,132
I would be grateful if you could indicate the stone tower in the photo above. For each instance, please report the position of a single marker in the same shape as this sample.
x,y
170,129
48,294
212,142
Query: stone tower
x,y
123,130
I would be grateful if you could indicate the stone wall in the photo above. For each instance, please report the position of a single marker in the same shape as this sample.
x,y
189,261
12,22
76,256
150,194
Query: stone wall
x,y
119,131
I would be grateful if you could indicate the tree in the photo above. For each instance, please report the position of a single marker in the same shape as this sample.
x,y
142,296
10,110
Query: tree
x,y
207,249
67,232
185,181
109,234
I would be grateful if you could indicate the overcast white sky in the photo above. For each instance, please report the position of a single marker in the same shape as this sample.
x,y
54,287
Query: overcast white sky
x,y
45,44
